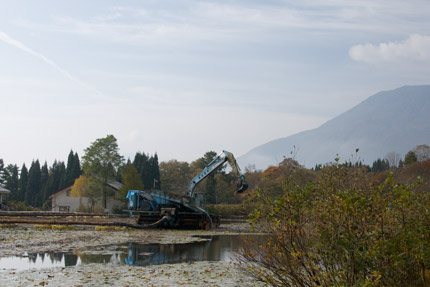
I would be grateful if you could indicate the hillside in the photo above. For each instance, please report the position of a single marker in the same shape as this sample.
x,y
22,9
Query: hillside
x,y
389,121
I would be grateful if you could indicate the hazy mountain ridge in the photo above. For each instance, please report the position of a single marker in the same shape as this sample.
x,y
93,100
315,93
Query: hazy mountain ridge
x,y
388,121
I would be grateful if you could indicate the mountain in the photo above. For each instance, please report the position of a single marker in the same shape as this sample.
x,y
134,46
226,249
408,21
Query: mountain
x,y
389,121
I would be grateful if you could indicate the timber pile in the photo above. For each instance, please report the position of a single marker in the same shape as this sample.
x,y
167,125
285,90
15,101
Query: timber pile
x,y
56,213
64,218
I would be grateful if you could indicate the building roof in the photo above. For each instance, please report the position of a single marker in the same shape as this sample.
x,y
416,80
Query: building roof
x,y
114,184
4,190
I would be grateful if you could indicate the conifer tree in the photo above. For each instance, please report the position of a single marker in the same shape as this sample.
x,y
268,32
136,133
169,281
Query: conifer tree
x,y
56,173
154,171
148,169
73,170
11,181
44,177
32,194
76,168
142,167
1,171
69,169
410,158
380,165
23,181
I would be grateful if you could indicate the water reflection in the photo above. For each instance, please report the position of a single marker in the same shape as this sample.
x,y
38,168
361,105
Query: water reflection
x,y
214,248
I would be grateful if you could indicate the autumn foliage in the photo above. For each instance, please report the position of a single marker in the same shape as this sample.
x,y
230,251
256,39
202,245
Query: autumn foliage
x,y
343,228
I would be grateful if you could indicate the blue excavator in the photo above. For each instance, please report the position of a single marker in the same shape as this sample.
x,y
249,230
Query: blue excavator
x,y
156,208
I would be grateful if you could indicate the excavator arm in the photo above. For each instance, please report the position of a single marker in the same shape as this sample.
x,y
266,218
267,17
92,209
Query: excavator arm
x,y
213,165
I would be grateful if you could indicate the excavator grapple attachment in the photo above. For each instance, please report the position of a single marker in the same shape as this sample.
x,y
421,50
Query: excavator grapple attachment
x,y
241,186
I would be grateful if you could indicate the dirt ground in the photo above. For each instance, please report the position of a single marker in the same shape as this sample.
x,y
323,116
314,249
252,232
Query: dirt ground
x,y
23,239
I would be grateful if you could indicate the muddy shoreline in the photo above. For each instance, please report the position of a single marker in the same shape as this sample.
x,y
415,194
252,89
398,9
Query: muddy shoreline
x,y
25,239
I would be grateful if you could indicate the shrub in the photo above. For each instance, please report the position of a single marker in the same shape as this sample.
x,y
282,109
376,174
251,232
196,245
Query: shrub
x,y
343,231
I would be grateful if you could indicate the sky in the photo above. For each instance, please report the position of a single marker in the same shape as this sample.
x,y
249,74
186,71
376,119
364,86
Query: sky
x,y
180,78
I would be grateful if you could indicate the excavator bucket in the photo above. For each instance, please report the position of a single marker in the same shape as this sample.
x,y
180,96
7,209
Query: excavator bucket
x,y
241,186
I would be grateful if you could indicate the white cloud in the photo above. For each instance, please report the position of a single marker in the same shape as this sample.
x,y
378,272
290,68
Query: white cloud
x,y
213,22
416,47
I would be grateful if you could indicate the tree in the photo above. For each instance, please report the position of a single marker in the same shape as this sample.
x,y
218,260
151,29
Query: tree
x,y
155,171
422,152
380,165
142,166
76,167
148,169
130,181
44,177
81,188
55,180
89,187
73,170
1,171
23,181
101,162
222,193
11,181
32,194
410,158
175,176
393,159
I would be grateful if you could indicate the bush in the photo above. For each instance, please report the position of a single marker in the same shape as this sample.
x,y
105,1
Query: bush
x,y
343,231
20,206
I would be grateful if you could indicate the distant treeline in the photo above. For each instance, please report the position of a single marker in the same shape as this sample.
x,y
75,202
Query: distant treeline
x,y
33,187
391,160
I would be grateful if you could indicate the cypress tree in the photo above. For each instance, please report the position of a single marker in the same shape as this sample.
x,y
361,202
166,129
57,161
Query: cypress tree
x,y
148,169
32,195
73,170
23,181
142,167
154,175
56,173
410,158
76,168
44,177
2,171
69,169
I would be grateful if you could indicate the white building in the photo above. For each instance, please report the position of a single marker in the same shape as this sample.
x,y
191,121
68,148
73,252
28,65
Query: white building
x,y
63,201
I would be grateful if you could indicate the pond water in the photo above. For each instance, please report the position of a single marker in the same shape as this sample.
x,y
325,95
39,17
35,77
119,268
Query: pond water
x,y
215,248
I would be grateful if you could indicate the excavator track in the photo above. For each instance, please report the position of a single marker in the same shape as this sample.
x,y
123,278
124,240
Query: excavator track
x,y
180,220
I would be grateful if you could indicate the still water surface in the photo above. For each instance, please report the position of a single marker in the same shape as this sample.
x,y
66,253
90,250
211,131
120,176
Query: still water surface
x,y
215,248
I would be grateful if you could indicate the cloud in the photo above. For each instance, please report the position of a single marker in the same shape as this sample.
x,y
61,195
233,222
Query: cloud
x,y
209,21
416,48
17,44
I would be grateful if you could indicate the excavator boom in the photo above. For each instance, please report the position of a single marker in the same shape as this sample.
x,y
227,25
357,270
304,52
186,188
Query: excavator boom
x,y
213,165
